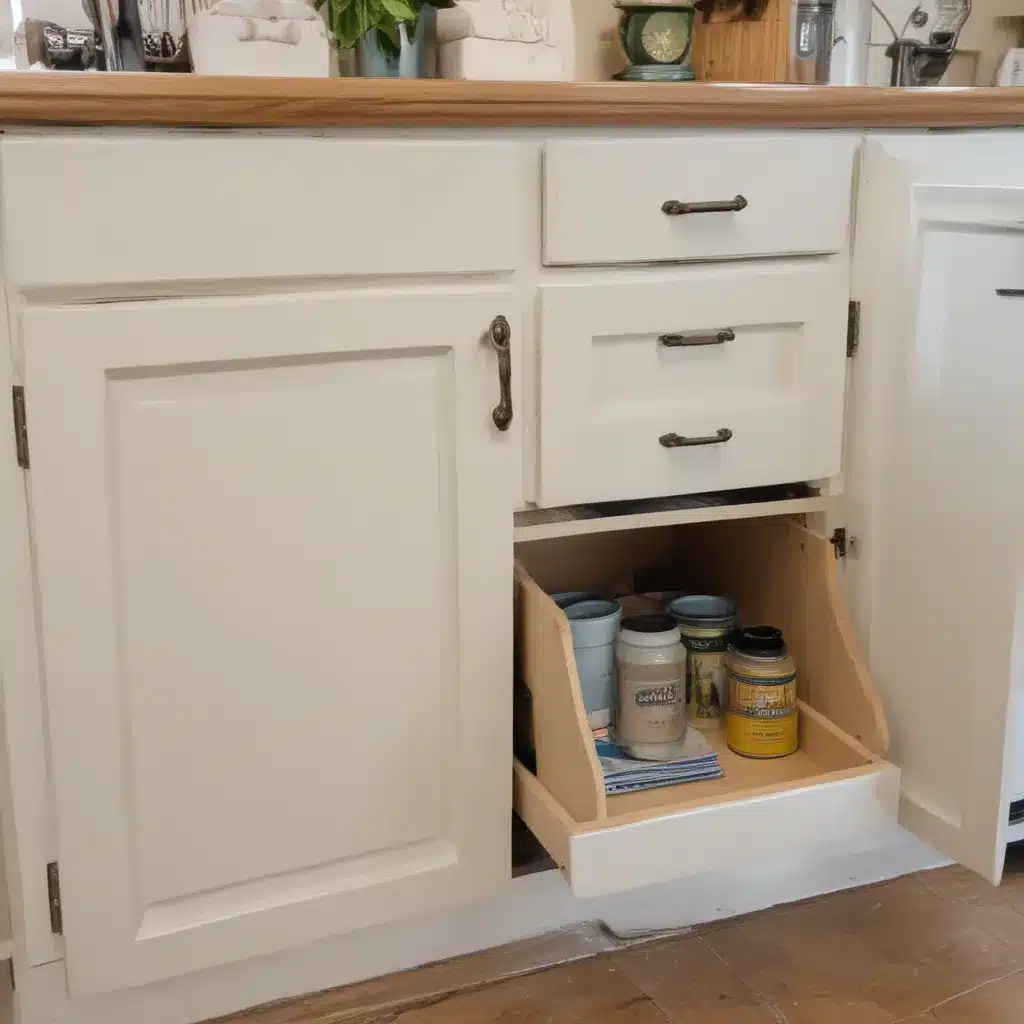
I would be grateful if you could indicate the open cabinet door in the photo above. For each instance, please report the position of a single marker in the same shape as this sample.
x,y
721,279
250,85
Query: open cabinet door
x,y
936,473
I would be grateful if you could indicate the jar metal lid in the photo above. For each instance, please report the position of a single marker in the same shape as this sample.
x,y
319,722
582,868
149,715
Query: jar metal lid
x,y
650,624
703,610
759,642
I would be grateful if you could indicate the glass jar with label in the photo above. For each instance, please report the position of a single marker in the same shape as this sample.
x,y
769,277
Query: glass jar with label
x,y
651,717
705,623
763,719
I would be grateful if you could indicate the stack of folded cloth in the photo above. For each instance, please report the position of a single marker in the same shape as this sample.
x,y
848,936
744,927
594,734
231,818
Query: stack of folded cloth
x,y
623,774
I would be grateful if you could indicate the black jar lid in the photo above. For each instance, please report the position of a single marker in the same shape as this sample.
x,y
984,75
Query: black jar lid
x,y
650,624
758,641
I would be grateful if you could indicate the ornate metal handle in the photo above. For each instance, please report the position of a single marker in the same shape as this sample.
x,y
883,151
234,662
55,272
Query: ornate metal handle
x,y
676,209
697,340
675,441
501,339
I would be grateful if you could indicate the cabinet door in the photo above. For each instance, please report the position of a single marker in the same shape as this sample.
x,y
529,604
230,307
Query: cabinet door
x,y
274,542
939,470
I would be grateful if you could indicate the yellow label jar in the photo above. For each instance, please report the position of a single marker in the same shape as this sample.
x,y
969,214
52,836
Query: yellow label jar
x,y
762,717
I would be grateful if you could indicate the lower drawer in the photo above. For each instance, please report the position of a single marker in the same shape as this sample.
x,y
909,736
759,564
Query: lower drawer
x,y
675,382
836,790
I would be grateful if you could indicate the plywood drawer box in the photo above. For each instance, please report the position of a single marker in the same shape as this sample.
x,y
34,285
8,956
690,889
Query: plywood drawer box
x,y
180,207
837,789
604,200
745,364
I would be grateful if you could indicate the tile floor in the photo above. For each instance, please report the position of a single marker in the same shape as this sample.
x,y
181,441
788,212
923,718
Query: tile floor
x,y
941,947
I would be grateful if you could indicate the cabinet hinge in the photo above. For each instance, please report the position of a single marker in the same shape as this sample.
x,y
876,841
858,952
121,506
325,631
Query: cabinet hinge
x,y
20,425
838,541
852,329
53,891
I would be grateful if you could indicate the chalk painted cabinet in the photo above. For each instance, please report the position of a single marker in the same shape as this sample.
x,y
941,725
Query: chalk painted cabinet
x,y
267,545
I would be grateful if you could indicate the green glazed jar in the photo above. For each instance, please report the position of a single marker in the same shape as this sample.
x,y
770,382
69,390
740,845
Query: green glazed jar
x,y
656,38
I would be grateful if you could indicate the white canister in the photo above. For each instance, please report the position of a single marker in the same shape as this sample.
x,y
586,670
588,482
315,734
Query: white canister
x,y
650,723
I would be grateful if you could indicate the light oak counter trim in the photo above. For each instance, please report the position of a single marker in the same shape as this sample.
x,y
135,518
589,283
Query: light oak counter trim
x,y
70,98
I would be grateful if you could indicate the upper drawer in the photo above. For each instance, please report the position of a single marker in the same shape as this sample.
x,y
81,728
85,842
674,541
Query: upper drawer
x,y
108,210
603,200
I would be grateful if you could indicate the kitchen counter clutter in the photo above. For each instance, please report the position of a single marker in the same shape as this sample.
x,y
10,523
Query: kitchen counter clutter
x,y
66,98
303,439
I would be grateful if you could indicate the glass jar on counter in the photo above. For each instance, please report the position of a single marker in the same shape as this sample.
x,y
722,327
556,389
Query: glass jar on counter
x,y
651,715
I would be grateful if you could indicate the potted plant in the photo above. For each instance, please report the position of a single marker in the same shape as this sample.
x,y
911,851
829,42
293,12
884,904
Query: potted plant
x,y
392,38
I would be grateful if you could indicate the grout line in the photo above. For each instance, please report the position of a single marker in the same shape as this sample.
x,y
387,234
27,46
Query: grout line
x,y
974,988
780,1017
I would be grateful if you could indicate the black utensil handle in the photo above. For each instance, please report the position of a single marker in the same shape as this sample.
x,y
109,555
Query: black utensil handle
x,y
674,208
697,340
501,339
676,441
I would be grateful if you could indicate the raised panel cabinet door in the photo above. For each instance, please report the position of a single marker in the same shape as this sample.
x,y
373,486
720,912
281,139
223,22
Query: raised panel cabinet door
x,y
274,543
938,476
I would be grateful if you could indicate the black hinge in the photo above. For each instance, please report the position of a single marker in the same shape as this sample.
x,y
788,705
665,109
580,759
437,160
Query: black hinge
x,y
852,329
838,541
20,425
53,891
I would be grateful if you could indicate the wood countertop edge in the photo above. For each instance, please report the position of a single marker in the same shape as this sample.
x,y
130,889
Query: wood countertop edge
x,y
68,98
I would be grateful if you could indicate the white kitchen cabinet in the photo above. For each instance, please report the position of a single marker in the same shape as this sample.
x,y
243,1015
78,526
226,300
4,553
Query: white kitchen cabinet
x,y
272,535
937,471
273,543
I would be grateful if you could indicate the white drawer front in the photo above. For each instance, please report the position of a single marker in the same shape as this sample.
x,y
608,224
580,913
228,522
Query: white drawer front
x,y
615,386
603,199
791,820
109,210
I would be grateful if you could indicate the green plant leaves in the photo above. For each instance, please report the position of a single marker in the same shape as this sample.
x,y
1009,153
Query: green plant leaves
x,y
399,10
352,19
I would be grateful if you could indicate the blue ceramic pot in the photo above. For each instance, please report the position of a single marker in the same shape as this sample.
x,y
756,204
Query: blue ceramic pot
x,y
417,55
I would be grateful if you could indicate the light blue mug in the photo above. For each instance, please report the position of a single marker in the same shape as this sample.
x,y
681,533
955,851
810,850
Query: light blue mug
x,y
594,624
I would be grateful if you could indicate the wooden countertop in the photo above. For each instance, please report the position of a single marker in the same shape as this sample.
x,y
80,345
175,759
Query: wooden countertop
x,y
167,99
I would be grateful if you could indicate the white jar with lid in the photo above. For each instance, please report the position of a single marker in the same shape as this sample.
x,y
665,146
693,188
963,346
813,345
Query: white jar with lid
x,y
651,719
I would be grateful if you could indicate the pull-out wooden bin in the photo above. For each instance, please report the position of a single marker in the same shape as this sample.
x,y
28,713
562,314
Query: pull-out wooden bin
x,y
837,789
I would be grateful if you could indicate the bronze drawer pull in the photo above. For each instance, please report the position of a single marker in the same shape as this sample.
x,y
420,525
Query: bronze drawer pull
x,y
697,340
1010,293
676,209
675,441
501,339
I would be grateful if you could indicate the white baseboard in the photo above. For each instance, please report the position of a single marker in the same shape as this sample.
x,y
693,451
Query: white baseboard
x,y
525,907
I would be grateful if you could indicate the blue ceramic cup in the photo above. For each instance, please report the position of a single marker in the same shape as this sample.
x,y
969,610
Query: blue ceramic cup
x,y
594,624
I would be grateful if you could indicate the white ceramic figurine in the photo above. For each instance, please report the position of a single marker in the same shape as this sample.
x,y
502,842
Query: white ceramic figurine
x,y
507,40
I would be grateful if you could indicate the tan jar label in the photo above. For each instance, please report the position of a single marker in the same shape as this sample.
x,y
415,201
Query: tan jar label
x,y
651,708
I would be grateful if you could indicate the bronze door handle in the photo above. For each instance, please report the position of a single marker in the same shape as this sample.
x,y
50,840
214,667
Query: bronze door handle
x,y
697,340
675,441
674,208
501,339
